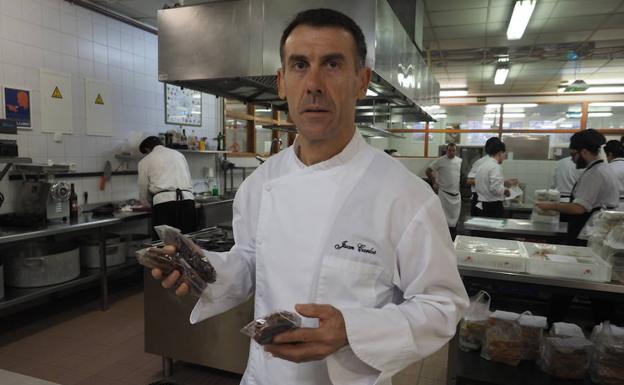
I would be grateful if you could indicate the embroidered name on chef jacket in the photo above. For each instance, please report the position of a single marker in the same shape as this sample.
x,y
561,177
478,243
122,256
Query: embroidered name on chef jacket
x,y
361,247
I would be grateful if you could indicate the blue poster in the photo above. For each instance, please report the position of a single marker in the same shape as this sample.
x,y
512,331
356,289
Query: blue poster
x,y
17,106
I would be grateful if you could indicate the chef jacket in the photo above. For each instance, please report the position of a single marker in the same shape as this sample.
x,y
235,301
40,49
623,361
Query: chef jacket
x,y
617,166
473,170
447,173
597,187
161,172
489,181
566,175
321,234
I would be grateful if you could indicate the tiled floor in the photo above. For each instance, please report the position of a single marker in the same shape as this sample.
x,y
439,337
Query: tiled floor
x,y
80,345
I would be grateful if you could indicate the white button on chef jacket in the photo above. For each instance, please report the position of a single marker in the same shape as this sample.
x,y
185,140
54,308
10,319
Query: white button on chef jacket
x,y
359,232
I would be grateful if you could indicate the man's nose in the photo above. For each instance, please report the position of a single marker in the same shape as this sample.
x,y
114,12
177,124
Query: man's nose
x,y
314,81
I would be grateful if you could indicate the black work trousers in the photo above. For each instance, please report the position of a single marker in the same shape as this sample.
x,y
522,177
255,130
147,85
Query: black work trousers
x,y
179,214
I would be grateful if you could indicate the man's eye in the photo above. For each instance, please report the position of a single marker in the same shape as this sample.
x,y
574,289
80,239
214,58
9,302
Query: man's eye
x,y
333,64
299,66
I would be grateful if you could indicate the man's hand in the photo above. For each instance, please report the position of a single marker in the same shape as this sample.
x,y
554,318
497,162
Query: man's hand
x,y
311,344
511,182
546,206
170,280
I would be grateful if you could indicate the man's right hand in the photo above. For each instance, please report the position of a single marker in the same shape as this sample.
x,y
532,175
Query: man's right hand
x,y
171,280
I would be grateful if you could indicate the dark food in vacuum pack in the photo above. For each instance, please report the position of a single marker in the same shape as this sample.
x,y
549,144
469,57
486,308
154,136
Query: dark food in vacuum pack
x,y
503,339
565,357
607,362
264,329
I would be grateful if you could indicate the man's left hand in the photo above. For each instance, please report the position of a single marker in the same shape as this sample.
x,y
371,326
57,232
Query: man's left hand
x,y
311,344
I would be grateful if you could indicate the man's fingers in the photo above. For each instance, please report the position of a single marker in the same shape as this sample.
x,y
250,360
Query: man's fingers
x,y
169,249
182,290
171,279
312,310
157,274
298,335
299,352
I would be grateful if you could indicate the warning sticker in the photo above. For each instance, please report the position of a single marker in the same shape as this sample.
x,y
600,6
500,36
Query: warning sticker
x,y
57,93
99,100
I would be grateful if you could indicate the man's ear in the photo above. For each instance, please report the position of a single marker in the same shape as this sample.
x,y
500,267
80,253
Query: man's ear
x,y
281,87
364,75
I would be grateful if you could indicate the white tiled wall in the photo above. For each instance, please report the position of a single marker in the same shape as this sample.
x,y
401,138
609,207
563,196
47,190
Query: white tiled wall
x,y
58,36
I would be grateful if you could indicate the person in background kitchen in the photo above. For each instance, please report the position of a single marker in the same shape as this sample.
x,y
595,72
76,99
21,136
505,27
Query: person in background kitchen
x,y
376,279
565,177
615,156
490,184
596,188
165,184
470,178
444,174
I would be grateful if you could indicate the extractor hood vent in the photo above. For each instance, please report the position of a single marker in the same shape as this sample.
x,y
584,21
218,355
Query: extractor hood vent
x,y
231,49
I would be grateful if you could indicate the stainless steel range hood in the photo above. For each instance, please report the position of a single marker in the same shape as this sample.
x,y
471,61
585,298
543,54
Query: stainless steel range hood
x,y
231,49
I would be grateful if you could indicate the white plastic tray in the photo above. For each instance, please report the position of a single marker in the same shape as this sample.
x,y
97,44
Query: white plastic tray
x,y
588,266
489,253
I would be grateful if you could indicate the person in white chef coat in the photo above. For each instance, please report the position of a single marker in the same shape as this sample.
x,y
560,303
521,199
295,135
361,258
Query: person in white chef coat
x,y
490,183
615,156
565,177
444,174
470,178
165,185
336,230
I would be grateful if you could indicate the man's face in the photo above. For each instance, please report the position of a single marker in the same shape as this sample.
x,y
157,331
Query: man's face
x,y
578,159
322,81
451,151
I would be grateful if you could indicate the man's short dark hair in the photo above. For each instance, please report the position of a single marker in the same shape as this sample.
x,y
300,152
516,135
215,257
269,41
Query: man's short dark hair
x,y
149,143
450,144
324,17
590,140
495,147
490,141
615,148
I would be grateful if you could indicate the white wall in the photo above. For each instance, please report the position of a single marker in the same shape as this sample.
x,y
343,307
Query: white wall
x,y
58,36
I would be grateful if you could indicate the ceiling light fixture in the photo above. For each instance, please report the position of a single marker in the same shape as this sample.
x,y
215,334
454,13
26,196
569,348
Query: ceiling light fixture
x,y
520,105
607,104
370,92
597,90
501,74
523,9
448,92
510,115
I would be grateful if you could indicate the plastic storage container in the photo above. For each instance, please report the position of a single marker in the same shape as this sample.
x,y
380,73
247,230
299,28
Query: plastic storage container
x,y
563,261
488,253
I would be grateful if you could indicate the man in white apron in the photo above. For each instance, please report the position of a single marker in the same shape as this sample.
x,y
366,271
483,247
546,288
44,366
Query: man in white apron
x,y
444,174
336,230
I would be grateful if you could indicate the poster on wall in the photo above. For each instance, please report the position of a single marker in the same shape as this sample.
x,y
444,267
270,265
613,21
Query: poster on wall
x,y
17,106
183,106
56,103
99,108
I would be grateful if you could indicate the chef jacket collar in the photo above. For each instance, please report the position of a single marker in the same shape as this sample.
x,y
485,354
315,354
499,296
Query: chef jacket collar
x,y
343,157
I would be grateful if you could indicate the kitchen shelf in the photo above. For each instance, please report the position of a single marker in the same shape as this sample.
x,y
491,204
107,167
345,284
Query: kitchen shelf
x,y
208,152
15,160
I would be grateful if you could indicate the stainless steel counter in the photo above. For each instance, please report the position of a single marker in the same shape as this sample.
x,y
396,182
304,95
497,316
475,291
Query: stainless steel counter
x,y
521,226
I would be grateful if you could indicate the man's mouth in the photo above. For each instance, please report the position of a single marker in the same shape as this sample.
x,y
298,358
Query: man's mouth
x,y
315,110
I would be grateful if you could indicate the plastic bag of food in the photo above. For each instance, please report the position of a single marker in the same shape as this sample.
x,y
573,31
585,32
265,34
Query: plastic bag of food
x,y
607,360
154,258
615,237
263,329
600,223
503,338
188,251
565,330
474,323
565,357
532,329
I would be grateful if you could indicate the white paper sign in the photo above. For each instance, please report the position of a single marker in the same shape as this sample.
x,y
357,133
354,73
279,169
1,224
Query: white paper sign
x,y
56,103
99,108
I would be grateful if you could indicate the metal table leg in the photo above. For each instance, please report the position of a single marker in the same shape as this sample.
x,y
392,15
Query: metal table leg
x,y
167,364
103,271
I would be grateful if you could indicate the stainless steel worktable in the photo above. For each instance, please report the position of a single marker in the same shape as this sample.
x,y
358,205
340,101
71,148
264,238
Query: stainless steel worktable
x,y
518,229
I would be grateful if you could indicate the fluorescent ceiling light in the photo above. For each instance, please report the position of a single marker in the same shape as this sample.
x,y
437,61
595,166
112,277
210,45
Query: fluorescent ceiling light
x,y
597,90
523,9
510,115
439,116
370,92
566,125
431,108
492,106
453,92
597,81
501,75
263,110
607,104
600,114
520,105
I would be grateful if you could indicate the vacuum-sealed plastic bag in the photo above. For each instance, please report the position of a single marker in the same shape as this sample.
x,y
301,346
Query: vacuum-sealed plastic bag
x,y
565,357
503,338
607,361
565,330
263,329
474,323
532,329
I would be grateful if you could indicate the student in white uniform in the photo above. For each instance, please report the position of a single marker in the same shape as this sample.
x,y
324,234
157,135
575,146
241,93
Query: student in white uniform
x,y
615,156
375,278
444,174
165,184
490,184
596,188
470,178
565,177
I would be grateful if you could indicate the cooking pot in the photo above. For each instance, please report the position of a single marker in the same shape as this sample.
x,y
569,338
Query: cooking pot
x,y
41,264
90,251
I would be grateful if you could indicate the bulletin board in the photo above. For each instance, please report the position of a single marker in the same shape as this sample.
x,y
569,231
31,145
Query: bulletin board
x,y
56,103
183,106
99,108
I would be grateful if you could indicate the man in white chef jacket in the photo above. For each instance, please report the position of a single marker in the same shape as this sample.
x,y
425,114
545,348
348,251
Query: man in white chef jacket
x,y
336,230
444,174
614,151
565,177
